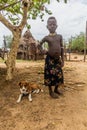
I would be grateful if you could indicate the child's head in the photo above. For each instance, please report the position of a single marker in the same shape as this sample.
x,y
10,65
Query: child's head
x,y
51,24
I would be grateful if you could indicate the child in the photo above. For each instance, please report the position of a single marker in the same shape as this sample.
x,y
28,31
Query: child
x,y
53,74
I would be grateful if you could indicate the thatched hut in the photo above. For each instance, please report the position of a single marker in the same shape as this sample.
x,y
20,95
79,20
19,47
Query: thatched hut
x,y
28,47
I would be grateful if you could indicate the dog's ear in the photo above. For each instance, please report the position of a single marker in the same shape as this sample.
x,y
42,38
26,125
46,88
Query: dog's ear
x,y
19,83
26,83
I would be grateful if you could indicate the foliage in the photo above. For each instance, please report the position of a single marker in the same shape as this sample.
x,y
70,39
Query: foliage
x,y
8,39
14,14
78,42
45,46
12,10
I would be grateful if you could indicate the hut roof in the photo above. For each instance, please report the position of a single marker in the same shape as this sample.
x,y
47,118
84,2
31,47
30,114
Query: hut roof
x,y
27,38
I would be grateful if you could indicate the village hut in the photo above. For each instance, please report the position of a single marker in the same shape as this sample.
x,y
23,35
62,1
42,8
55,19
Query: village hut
x,y
28,49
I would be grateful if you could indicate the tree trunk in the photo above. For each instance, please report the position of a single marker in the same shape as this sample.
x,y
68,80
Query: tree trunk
x,y
11,61
16,30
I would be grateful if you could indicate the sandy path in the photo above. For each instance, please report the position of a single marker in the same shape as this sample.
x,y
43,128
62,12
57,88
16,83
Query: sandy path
x,y
66,113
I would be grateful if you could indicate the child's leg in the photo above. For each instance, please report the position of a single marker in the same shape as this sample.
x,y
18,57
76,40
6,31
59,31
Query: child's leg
x,y
51,93
57,91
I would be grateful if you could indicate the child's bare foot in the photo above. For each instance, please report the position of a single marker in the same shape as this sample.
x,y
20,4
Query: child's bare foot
x,y
58,92
53,95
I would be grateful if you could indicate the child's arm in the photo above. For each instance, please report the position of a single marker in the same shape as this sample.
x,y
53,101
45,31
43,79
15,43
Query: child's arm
x,y
40,46
62,50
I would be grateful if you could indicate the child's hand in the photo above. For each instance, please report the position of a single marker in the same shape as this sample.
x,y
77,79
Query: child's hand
x,y
51,71
44,52
62,64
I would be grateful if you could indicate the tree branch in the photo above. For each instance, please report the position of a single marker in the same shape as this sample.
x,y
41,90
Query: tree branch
x,y
9,5
26,6
6,22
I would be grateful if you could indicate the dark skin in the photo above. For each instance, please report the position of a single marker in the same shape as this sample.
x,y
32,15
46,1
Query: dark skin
x,y
55,49
55,43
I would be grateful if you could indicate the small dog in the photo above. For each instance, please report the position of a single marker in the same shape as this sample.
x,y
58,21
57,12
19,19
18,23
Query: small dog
x,y
28,88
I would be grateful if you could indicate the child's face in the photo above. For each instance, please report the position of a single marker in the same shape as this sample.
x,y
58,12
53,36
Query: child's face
x,y
52,25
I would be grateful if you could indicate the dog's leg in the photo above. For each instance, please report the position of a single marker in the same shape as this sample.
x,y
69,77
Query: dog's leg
x,y
20,97
42,90
38,90
29,97
34,91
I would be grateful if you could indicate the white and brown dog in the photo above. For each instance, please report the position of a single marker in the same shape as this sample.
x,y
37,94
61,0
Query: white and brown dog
x,y
28,88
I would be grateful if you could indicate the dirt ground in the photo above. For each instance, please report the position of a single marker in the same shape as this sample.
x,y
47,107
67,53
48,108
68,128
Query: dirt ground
x,y
69,112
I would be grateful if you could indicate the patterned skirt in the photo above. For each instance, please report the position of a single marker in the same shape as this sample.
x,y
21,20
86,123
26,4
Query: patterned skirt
x,y
53,74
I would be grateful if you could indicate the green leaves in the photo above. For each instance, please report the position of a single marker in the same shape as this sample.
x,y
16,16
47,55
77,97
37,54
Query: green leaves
x,y
64,1
28,26
12,9
78,42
